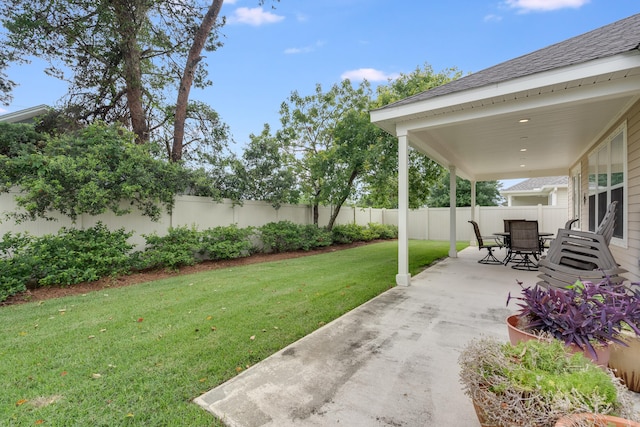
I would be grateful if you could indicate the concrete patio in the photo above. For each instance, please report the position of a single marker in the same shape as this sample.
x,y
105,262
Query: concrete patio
x,y
390,362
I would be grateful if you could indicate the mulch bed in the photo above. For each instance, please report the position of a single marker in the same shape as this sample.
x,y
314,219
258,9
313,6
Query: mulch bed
x,y
49,292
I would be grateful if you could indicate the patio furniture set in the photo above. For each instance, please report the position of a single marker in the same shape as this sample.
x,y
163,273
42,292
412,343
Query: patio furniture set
x,y
523,242
569,256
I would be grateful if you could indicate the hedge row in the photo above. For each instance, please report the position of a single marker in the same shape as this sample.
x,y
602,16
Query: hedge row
x,y
73,256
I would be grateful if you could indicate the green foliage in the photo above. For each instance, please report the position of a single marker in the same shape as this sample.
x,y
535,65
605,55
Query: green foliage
x,y
187,246
547,369
536,380
17,138
266,172
349,233
316,237
71,256
176,249
90,171
225,242
487,193
330,141
383,231
15,266
419,80
380,184
285,236
6,85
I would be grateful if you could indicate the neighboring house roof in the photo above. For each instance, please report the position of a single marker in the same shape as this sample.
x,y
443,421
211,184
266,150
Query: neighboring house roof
x,y
618,37
538,185
25,116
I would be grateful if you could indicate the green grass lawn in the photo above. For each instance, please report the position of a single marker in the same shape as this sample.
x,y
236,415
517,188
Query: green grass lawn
x,y
138,355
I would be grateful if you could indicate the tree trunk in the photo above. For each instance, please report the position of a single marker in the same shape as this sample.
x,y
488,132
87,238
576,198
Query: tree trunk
x,y
128,17
336,211
187,77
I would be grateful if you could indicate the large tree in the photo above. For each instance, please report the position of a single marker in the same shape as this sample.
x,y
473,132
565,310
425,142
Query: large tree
x,y
380,185
125,60
330,139
266,172
6,85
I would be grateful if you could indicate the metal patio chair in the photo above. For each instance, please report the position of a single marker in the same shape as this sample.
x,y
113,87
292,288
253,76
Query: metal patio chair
x,y
525,245
490,258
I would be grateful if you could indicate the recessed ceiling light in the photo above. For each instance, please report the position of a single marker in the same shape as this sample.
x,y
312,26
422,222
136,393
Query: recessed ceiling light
x,y
523,120
523,149
522,166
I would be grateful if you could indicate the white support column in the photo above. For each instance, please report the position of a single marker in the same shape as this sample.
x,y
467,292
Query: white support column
x,y
473,207
403,278
453,252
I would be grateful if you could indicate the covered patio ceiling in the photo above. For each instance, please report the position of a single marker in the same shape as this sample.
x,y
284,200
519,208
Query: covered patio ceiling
x,y
480,133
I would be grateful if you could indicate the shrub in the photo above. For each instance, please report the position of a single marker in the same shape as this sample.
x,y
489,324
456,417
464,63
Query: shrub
x,y
315,237
282,236
177,249
225,242
285,236
349,233
187,246
71,256
383,231
15,268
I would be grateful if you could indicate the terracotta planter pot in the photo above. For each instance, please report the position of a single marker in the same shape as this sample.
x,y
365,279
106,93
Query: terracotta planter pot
x,y
516,335
599,421
482,418
625,361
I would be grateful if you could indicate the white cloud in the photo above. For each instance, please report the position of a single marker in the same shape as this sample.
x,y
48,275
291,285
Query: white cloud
x,y
544,5
2,110
369,74
254,16
492,18
305,49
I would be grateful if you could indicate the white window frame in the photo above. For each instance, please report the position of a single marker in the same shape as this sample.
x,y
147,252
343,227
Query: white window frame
x,y
576,194
593,165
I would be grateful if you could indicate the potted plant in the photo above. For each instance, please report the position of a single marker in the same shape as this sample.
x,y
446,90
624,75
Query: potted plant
x,y
625,360
535,383
594,420
586,315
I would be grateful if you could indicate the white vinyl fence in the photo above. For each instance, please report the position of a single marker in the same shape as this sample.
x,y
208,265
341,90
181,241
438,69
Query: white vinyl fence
x,y
202,212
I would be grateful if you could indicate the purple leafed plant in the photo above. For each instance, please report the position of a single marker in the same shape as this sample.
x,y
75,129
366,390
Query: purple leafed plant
x,y
583,314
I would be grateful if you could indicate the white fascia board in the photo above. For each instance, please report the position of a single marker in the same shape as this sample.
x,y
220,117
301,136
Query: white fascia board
x,y
572,95
25,114
593,68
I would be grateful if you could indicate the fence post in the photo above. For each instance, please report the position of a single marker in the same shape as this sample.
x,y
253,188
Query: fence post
x,y
540,218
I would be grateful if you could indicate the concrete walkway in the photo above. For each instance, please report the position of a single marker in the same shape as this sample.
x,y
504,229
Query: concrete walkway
x,y
390,362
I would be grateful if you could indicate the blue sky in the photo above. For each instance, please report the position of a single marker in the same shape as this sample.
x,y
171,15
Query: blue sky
x,y
270,52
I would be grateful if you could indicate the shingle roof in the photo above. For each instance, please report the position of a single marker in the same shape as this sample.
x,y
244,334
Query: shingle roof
x,y
538,183
618,37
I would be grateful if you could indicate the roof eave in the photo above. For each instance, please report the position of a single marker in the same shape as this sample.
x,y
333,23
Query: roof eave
x,y
389,116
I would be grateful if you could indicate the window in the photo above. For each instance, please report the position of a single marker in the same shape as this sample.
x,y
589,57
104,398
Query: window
x,y
607,180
